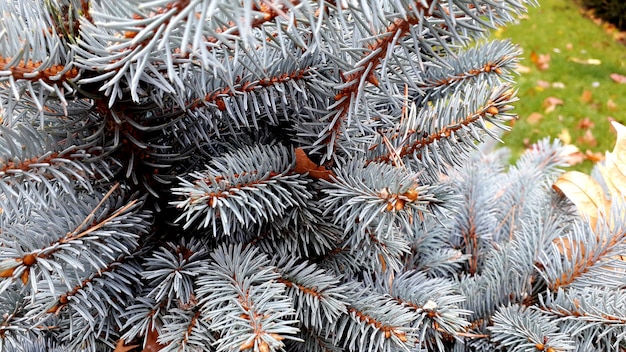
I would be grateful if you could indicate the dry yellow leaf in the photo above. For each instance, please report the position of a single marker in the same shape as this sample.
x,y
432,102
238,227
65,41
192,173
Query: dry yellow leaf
x,y
614,169
584,192
590,197
565,137
568,248
587,193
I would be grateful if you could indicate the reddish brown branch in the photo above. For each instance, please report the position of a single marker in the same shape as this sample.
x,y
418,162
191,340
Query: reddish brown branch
x,y
581,267
88,282
470,238
365,70
302,288
212,196
192,323
446,132
387,329
605,318
25,165
495,67
217,97
269,10
30,71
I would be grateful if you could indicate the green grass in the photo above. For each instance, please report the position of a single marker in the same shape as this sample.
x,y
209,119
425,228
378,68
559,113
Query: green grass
x,y
559,29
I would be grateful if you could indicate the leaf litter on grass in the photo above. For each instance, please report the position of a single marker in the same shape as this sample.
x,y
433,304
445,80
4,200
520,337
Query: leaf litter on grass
x,y
571,82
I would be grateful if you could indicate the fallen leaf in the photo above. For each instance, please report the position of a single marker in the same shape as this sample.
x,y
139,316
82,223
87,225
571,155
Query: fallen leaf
x,y
586,96
610,104
558,85
618,78
564,136
614,169
587,194
121,346
534,118
152,344
594,157
584,192
572,155
550,104
543,84
585,61
588,138
304,165
585,123
522,69
542,61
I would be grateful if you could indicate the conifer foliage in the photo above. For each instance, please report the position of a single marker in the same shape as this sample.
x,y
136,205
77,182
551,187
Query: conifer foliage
x,y
284,175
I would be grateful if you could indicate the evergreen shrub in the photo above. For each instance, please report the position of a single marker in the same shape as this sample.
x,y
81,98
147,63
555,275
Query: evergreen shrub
x,y
286,175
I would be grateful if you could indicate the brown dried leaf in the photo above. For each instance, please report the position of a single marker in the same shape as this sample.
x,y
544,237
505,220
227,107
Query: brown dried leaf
x,y
588,138
304,165
534,118
585,123
621,79
550,104
586,96
542,61
152,343
594,157
121,346
584,192
572,155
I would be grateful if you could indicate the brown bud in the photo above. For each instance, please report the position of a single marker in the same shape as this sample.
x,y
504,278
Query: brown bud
x,y
7,272
411,195
399,204
277,337
493,110
264,347
401,335
29,259
247,345
24,277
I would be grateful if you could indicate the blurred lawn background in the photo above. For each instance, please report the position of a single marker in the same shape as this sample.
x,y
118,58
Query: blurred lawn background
x,y
570,83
